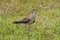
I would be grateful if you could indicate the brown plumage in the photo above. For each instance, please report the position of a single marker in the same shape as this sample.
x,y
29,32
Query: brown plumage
x,y
29,19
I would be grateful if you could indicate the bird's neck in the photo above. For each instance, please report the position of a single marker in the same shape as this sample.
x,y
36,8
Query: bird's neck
x,y
33,12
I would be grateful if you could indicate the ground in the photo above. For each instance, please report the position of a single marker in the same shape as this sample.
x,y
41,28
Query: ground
x,y
45,27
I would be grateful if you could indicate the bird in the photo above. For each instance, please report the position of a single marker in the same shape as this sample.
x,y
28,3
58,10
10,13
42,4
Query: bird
x,y
28,19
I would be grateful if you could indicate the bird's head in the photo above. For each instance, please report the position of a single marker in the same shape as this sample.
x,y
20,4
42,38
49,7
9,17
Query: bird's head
x,y
33,11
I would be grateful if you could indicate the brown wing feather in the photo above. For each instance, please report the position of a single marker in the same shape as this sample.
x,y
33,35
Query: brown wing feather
x,y
26,20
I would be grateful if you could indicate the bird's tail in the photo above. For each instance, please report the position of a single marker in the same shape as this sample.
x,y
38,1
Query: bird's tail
x,y
17,22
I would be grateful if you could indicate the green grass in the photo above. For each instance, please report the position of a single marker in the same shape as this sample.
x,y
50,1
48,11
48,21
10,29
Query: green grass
x,y
47,22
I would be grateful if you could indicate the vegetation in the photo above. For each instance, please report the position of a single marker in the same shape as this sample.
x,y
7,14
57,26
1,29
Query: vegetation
x,y
47,22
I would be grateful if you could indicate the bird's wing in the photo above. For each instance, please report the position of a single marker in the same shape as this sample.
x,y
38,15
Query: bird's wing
x,y
25,20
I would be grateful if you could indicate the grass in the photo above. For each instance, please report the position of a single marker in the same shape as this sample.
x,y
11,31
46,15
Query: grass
x,y
47,21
